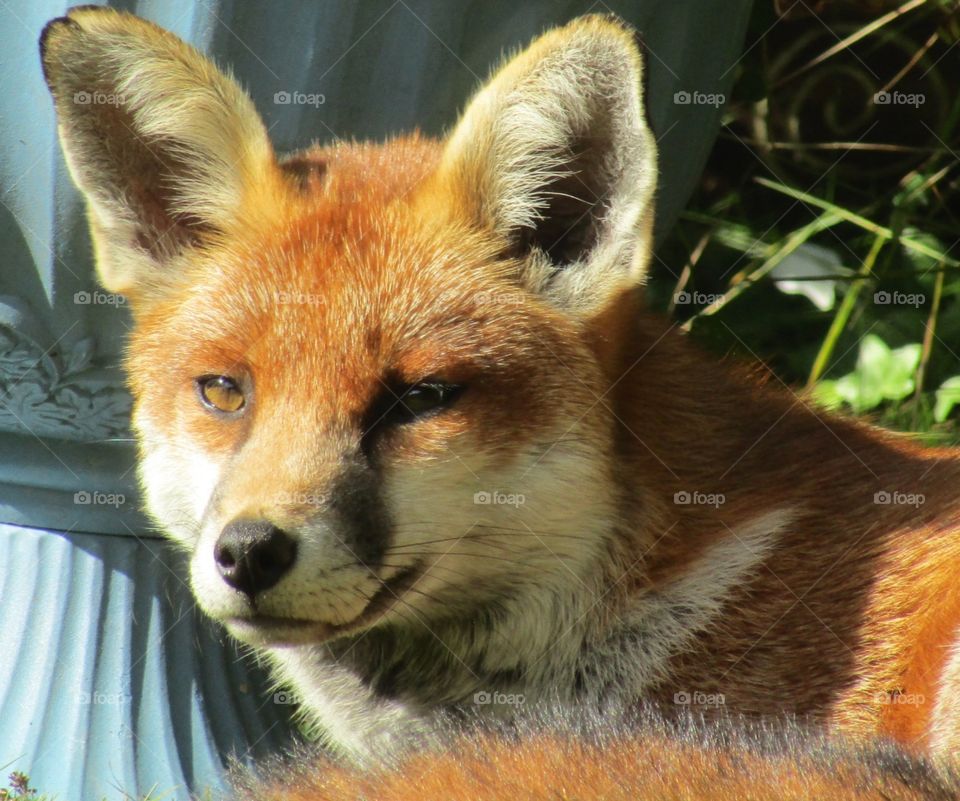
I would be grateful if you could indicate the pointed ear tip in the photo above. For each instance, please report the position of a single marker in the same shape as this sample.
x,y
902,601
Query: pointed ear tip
x,y
89,8
610,27
610,24
82,12
58,27
48,36
84,18
72,19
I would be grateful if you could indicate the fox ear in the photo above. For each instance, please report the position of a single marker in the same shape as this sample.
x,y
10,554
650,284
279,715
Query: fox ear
x,y
163,145
554,154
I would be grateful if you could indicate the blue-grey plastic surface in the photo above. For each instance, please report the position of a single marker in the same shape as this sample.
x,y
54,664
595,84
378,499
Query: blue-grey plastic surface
x,y
111,684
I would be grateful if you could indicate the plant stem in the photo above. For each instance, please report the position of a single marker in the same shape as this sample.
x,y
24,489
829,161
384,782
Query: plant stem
x,y
842,316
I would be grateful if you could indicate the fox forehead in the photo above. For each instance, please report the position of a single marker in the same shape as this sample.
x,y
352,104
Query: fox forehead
x,y
366,272
352,245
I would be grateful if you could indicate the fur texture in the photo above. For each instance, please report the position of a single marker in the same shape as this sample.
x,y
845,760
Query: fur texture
x,y
550,759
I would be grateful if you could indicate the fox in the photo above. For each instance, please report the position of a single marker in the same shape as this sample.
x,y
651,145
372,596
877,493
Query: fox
x,y
427,452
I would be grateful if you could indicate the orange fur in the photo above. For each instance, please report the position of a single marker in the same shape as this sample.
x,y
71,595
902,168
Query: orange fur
x,y
655,767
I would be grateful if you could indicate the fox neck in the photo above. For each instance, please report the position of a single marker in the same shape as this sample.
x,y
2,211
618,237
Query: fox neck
x,y
369,694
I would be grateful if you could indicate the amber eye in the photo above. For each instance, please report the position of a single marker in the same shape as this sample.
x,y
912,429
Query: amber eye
x,y
220,393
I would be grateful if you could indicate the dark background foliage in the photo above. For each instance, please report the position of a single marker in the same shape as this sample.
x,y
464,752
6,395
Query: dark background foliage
x,y
837,167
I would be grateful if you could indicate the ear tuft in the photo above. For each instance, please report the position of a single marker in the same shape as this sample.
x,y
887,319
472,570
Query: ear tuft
x,y
554,155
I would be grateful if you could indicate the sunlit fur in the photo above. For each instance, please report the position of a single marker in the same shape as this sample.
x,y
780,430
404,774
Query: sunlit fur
x,y
506,259
559,759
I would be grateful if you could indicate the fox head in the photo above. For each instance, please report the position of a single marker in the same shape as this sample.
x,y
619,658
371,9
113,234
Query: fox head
x,y
369,379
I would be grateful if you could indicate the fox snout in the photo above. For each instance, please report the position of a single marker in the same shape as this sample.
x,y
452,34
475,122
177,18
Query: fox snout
x,y
278,549
253,555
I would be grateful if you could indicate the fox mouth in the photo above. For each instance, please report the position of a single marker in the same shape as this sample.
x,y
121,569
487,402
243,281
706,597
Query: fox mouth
x,y
264,629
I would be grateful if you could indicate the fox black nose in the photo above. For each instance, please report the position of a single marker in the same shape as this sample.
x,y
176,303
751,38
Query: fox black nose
x,y
253,555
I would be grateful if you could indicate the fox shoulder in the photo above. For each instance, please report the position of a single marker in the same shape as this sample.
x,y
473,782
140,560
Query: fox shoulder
x,y
688,764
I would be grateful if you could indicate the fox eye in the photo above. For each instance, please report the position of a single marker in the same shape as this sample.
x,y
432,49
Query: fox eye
x,y
400,404
220,393
421,399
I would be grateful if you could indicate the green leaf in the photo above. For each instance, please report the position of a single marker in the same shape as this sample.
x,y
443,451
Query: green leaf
x,y
913,190
881,374
861,395
926,260
948,396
